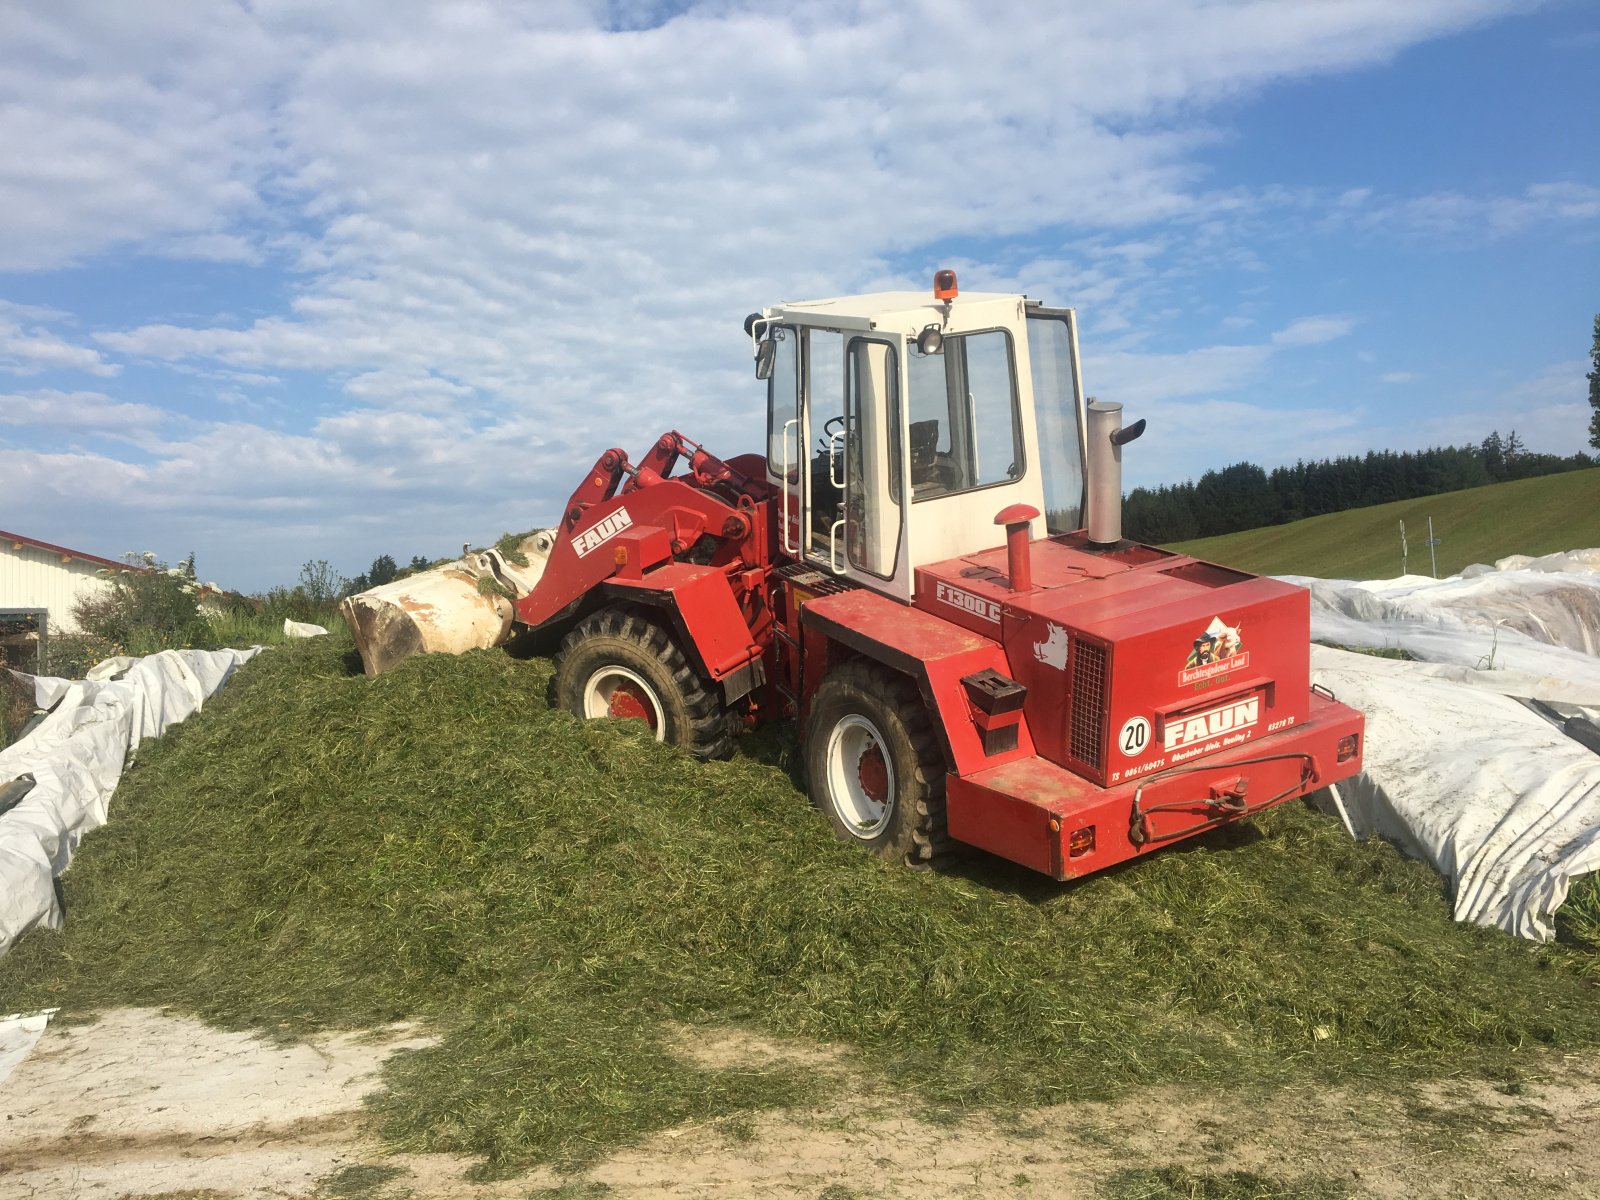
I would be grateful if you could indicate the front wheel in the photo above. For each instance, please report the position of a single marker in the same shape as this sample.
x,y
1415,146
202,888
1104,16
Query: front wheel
x,y
619,663
873,765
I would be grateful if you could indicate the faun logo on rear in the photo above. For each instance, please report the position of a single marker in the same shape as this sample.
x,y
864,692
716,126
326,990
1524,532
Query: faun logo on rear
x,y
601,532
1230,718
967,602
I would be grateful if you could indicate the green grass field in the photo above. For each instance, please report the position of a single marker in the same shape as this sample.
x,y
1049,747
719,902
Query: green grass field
x,y
1479,525
557,898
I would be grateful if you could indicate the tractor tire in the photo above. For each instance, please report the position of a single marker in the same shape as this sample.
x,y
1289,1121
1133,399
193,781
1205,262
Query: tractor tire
x,y
618,662
873,765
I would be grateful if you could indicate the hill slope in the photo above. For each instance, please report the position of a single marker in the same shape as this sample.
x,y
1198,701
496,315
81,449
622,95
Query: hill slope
x,y
555,899
1478,525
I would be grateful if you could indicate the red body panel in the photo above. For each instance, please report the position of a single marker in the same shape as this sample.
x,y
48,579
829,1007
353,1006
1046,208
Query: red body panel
x,y
1029,811
932,652
1104,641
710,613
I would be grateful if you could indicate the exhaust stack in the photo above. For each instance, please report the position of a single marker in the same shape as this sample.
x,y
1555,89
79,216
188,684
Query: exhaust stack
x,y
1106,439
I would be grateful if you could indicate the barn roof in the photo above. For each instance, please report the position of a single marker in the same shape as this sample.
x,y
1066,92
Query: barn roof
x,y
17,540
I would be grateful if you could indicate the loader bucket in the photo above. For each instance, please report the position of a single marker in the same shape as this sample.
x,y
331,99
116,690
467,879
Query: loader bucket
x,y
450,609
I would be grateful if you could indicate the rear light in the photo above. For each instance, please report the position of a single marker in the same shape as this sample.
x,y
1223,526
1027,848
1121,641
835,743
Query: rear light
x,y
1080,842
1348,745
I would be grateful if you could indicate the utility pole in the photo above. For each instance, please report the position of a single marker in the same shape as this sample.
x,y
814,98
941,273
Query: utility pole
x,y
1402,547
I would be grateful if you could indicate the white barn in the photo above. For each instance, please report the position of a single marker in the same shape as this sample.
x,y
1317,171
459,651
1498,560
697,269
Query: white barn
x,y
38,575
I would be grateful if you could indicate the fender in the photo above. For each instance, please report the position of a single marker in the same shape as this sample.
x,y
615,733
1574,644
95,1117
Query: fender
x,y
706,615
936,653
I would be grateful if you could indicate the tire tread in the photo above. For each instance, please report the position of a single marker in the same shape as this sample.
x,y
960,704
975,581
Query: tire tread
x,y
931,844
712,727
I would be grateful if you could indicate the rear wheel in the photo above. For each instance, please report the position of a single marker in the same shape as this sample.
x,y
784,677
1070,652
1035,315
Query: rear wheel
x,y
619,662
873,764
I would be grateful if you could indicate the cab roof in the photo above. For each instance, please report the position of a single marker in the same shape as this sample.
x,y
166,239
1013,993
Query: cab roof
x,y
905,312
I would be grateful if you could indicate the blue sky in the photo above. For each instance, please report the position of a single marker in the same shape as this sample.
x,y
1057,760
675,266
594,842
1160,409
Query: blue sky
x,y
283,280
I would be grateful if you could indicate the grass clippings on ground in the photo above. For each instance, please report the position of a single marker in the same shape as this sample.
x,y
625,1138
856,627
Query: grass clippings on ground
x,y
1577,924
1177,1183
364,1181
559,900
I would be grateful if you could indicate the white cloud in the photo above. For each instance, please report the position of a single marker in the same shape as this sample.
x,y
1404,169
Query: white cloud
x,y
514,239
1313,331
27,349
1185,440
1548,410
1456,216
124,124
81,412
1399,377
1137,378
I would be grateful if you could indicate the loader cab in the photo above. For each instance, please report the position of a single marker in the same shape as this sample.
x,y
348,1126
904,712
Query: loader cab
x,y
900,424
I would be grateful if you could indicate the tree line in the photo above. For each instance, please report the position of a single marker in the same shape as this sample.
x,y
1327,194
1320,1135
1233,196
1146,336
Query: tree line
x,y
1244,496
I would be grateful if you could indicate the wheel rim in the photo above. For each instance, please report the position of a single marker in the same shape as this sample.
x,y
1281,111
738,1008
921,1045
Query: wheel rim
x,y
860,777
615,691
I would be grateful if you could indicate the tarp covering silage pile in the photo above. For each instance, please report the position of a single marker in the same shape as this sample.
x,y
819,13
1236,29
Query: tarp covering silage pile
x,y
1458,770
76,757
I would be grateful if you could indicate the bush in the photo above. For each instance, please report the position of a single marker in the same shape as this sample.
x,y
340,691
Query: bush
x,y
153,607
314,599
72,654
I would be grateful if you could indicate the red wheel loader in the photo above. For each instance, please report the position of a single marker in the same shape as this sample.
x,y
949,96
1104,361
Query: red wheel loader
x,y
926,570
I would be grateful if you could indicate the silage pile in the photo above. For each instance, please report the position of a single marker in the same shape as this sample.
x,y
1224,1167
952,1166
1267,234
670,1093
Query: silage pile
x,y
556,898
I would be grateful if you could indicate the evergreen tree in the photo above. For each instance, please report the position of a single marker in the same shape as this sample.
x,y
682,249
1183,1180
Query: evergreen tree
x,y
1594,386
1494,456
383,570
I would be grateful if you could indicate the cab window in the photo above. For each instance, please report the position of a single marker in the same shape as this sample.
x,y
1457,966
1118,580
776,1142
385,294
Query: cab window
x,y
783,405
964,423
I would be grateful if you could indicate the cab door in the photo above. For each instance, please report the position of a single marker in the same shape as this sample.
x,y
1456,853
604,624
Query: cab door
x,y
786,436
836,451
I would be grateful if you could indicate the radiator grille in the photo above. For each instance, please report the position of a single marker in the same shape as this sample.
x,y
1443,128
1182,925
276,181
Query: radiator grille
x,y
1087,741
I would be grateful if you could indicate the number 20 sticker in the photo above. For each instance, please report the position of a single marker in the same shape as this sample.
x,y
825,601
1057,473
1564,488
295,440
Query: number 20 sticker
x,y
1135,736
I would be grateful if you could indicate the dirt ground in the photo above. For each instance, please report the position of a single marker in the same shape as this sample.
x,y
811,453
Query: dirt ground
x,y
140,1104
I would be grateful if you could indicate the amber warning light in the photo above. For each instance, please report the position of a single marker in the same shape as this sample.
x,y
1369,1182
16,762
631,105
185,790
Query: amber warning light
x,y
944,285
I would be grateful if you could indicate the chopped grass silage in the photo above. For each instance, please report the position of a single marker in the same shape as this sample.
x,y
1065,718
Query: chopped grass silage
x,y
16,705
1179,1183
1578,920
318,849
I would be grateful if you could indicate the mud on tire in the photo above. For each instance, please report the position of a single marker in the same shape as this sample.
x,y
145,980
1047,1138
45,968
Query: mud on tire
x,y
873,765
620,662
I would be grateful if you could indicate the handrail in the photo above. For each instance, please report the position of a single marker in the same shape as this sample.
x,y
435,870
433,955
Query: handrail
x,y
783,536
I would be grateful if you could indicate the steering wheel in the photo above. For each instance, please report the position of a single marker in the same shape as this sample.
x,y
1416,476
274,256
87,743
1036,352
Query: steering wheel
x,y
829,427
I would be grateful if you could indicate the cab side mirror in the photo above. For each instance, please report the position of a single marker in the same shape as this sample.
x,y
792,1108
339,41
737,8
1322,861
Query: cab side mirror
x,y
766,355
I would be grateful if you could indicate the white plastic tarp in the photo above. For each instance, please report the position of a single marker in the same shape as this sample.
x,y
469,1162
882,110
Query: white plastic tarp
x,y
1457,770
19,1033
76,755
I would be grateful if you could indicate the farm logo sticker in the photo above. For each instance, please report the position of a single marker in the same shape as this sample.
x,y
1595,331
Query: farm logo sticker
x,y
1217,651
601,532
967,602
1052,652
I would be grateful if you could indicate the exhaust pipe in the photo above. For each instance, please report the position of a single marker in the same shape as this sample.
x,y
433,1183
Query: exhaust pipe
x,y
1107,437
